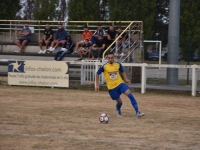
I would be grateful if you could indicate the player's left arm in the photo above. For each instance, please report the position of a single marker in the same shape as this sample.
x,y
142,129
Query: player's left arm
x,y
124,74
125,78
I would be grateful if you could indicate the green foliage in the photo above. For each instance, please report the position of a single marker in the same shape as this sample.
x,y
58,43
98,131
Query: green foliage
x,y
161,20
189,27
136,10
9,8
45,9
89,10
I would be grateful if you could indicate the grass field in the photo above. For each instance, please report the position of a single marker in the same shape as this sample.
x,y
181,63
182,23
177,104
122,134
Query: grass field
x,y
35,118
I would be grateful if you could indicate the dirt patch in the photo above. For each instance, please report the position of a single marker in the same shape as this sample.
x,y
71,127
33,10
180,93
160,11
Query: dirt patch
x,y
44,118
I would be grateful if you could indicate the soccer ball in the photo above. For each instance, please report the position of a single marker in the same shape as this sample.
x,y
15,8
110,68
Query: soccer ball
x,y
104,118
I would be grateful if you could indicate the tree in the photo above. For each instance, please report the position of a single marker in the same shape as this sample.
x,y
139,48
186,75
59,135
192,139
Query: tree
x,y
9,9
89,10
45,9
134,10
28,6
189,27
62,10
40,9
161,21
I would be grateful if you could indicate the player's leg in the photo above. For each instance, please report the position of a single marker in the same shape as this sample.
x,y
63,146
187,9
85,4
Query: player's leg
x,y
126,90
47,44
56,45
80,52
63,54
18,43
23,45
88,53
99,53
52,45
118,107
115,95
57,53
40,43
77,46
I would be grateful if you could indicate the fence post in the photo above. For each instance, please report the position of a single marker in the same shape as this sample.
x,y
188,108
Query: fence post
x,y
143,82
82,73
96,69
194,80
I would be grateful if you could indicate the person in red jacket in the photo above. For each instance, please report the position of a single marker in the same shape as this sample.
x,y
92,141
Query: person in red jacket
x,y
86,34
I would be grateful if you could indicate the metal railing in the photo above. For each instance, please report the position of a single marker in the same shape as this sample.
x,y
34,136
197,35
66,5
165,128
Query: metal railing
x,y
135,40
71,26
144,66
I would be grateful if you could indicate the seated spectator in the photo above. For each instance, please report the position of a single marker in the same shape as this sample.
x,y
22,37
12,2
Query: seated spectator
x,y
47,38
85,49
86,34
25,34
98,47
60,38
67,49
98,32
110,35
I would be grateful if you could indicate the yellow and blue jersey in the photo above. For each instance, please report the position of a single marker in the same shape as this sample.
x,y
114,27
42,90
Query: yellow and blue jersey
x,y
112,74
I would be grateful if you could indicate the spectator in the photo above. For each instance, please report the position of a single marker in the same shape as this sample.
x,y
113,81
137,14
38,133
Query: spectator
x,y
85,49
25,34
98,47
47,38
110,35
67,49
86,34
98,32
122,41
60,39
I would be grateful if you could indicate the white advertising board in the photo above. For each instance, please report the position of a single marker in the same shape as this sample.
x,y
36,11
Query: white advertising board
x,y
38,73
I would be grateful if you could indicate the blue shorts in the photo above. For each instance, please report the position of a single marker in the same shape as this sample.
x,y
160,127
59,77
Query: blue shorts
x,y
116,92
22,40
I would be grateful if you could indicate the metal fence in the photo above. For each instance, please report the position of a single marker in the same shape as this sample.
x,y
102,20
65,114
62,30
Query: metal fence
x,y
195,74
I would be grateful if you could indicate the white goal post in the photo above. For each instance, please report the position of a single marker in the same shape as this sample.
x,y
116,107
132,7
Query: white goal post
x,y
160,47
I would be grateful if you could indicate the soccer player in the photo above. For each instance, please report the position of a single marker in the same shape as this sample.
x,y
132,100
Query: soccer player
x,y
115,84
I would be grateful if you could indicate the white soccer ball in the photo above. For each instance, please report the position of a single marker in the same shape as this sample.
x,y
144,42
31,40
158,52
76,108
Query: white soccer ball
x,y
104,118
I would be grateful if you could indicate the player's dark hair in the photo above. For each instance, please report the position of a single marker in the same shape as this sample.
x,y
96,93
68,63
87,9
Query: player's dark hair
x,y
85,26
110,53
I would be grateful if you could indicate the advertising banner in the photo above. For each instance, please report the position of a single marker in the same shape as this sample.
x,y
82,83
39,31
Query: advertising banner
x,y
38,73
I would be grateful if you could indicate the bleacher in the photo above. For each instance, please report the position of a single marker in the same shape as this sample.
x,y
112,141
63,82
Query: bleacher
x,y
8,34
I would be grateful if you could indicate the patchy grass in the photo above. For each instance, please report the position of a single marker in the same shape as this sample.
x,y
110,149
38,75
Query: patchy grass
x,y
35,118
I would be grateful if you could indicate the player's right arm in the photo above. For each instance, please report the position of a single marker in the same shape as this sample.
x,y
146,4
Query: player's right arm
x,y
101,69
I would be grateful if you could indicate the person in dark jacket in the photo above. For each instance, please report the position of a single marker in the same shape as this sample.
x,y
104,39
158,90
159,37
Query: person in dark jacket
x,y
60,38
67,49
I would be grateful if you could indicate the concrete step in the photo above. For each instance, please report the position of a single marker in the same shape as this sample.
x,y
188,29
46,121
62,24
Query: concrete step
x,y
28,48
35,57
